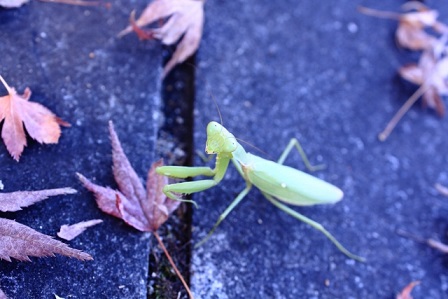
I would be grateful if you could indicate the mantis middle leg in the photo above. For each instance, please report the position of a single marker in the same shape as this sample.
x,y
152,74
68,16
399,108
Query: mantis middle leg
x,y
295,143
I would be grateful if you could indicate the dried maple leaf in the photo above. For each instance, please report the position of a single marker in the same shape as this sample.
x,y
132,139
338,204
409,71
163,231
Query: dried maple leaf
x,y
15,201
16,111
185,23
19,241
145,210
69,232
406,292
12,4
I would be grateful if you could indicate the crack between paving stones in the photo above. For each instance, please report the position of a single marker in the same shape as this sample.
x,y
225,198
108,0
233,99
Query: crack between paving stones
x,y
175,145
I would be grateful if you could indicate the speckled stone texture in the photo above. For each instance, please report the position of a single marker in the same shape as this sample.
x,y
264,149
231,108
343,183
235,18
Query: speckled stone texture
x,y
72,61
324,73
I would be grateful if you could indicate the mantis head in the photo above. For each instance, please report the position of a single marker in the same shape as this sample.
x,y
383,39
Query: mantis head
x,y
219,140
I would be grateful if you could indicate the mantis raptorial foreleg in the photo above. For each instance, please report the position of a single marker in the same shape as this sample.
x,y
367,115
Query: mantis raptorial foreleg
x,y
182,172
295,143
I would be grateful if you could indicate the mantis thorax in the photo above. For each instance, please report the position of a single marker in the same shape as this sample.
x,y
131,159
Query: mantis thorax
x,y
219,140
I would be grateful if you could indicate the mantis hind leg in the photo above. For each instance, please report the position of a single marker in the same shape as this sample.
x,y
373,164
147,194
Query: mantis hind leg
x,y
315,225
227,211
295,143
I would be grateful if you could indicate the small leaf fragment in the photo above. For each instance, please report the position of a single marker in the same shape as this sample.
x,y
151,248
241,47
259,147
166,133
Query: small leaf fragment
x,y
69,232
19,241
15,201
406,292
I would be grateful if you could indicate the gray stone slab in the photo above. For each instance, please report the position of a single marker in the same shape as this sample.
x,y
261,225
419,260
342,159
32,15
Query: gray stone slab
x,y
323,73
73,63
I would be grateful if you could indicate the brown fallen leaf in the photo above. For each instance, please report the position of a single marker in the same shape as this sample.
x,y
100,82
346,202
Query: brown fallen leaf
x,y
69,232
145,210
15,201
19,241
12,4
185,23
16,111
406,292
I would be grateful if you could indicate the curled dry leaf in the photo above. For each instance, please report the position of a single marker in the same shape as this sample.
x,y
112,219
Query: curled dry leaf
x,y
143,209
69,232
19,241
411,32
406,292
15,201
185,23
412,24
431,74
16,111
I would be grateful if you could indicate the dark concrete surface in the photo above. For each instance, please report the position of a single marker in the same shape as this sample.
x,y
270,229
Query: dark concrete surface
x,y
317,71
323,73
74,65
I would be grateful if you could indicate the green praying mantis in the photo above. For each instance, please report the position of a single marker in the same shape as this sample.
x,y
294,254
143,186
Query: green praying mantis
x,y
280,184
